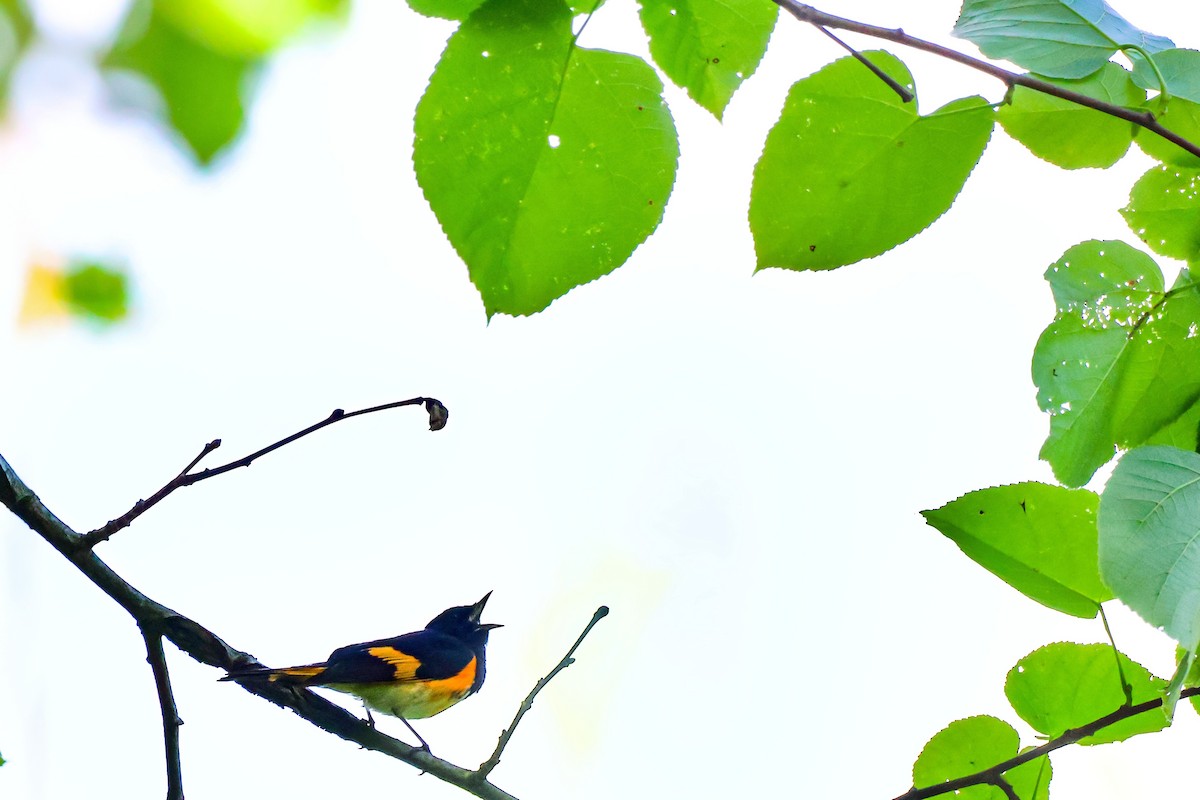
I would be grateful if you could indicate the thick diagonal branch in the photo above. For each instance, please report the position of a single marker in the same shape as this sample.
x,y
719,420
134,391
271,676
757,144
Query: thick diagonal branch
x,y
1142,118
995,774
207,648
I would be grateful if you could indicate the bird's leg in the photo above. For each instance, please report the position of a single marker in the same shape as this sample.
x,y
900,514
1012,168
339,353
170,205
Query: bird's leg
x,y
424,744
370,719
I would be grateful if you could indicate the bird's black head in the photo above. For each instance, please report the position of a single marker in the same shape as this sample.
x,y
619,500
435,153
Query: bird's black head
x,y
462,622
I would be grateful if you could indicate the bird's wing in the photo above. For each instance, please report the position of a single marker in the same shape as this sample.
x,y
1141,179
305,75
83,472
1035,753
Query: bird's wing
x,y
420,656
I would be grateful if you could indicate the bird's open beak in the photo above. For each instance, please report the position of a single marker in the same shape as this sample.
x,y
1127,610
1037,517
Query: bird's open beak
x,y
477,611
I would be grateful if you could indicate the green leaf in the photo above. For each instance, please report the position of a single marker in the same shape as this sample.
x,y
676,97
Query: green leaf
x,y
708,47
1067,685
850,171
1069,135
545,163
1120,361
1180,68
1183,433
1037,538
974,744
445,9
247,29
1164,211
1182,117
1058,38
201,87
96,291
16,32
1150,538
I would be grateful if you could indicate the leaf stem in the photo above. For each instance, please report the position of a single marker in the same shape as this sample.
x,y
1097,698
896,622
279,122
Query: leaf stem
x,y
1142,118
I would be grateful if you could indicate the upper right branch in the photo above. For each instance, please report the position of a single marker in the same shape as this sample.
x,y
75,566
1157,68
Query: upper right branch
x,y
1142,118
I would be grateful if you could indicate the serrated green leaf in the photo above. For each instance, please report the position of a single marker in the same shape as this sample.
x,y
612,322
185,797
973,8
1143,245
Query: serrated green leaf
x,y
1179,67
1164,211
1057,38
96,291
200,87
1120,361
1069,135
708,47
971,745
1067,685
545,163
1037,538
850,171
1182,117
16,31
1150,538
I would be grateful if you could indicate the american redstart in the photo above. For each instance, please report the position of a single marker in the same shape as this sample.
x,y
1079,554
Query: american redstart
x,y
413,676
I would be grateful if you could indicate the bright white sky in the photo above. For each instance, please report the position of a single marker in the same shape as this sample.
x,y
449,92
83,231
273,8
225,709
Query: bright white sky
x,y
733,463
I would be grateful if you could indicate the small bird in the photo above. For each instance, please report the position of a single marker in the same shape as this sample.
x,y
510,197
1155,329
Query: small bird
x,y
412,676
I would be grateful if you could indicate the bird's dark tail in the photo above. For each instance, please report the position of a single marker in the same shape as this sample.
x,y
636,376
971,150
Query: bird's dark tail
x,y
292,675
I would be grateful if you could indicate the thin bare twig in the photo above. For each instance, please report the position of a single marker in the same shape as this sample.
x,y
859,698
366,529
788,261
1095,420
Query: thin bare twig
x,y
902,91
437,420
207,648
170,713
487,766
1142,118
1003,785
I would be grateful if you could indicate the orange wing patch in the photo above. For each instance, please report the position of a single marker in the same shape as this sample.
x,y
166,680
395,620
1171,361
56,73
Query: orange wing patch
x,y
405,666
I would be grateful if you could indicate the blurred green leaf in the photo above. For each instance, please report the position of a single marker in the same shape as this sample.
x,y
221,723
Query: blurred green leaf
x,y
1069,135
1179,67
1150,538
971,745
1066,685
1120,361
850,170
1057,38
1164,211
247,29
202,88
708,47
545,163
1039,539
96,291
16,31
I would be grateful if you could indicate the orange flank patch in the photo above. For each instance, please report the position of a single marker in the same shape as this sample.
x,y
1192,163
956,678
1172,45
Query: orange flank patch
x,y
411,698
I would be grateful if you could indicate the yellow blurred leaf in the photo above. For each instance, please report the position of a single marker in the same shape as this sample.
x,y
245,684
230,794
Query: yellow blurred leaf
x,y
45,296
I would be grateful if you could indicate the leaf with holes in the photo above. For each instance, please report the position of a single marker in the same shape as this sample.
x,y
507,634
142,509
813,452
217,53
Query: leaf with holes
x,y
1164,211
545,163
1120,361
1037,538
708,47
1056,38
1150,538
850,171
